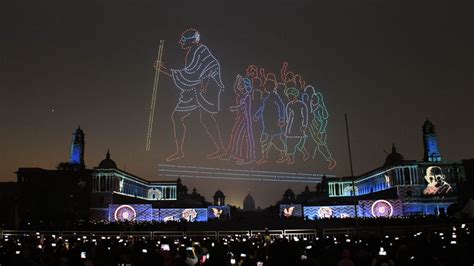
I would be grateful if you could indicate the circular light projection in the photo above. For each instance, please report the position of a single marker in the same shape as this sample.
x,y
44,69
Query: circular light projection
x,y
324,212
382,208
125,213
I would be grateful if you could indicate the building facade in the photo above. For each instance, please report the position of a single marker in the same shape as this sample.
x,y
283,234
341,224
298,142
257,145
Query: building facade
x,y
398,188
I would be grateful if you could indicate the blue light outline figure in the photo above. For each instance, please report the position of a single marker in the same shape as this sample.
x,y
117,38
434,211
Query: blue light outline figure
x,y
272,131
296,125
318,124
242,143
200,86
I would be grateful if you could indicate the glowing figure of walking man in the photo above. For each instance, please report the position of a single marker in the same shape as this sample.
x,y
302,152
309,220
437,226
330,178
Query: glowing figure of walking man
x,y
242,131
272,117
200,86
296,125
318,124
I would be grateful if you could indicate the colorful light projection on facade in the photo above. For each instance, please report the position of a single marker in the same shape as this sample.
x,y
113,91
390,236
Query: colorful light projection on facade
x,y
216,212
288,109
382,208
321,212
125,213
189,214
324,212
146,213
365,208
436,180
291,210
119,182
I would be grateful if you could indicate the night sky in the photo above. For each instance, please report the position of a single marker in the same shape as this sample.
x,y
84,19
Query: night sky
x,y
388,64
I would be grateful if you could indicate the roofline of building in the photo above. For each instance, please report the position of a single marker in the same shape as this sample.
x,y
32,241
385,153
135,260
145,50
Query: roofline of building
x,y
137,178
388,167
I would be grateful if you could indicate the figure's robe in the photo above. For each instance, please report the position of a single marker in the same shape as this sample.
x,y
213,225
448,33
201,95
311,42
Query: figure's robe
x,y
296,119
199,82
270,114
242,131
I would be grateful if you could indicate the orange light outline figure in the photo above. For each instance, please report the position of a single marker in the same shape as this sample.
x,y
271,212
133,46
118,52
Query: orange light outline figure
x,y
242,131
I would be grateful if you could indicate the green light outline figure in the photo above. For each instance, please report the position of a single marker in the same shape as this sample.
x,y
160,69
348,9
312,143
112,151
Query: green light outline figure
x,y
318,124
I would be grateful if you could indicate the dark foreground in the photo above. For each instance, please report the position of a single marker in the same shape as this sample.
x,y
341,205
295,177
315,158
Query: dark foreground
x,y
441,245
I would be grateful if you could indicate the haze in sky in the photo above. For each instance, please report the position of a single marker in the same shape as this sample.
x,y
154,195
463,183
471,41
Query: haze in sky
x,y
388,65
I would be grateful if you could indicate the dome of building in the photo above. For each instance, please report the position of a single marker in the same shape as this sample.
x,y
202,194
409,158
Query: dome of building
x,y
219,198
394,157
219,194
249,203
107,163
289,194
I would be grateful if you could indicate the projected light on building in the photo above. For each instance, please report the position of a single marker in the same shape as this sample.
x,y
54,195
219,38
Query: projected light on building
x,y
324,212
436,180
291,210
382,208
321,212
189,214
125,213
216,212
146,213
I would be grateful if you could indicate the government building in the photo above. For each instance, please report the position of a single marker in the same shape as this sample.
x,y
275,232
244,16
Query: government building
x,y
106,193
398,188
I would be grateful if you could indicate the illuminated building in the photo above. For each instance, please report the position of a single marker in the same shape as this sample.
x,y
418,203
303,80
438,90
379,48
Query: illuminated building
x,y
420,187
111,185
430,143
105,193
219,198
77,148
399,187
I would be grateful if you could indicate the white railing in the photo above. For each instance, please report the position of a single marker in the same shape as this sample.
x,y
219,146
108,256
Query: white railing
x,y
308,233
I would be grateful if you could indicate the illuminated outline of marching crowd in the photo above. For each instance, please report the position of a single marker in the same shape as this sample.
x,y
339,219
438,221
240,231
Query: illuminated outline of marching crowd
x,y
286,121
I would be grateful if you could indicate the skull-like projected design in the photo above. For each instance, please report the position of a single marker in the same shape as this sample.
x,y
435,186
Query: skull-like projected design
x,y
382,208
125,213
437,184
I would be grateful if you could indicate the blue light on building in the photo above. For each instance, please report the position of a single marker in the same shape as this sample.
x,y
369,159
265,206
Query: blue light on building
x,y
77,148
430,142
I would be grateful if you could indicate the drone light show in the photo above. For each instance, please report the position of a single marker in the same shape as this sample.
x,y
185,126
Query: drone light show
x,y
260,121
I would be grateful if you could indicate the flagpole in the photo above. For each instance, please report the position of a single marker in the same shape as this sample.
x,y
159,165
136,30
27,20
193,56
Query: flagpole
x,y
352,177
153,97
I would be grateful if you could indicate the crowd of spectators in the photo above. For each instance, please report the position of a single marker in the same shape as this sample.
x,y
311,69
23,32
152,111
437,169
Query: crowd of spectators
x,y
257,222
452,246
